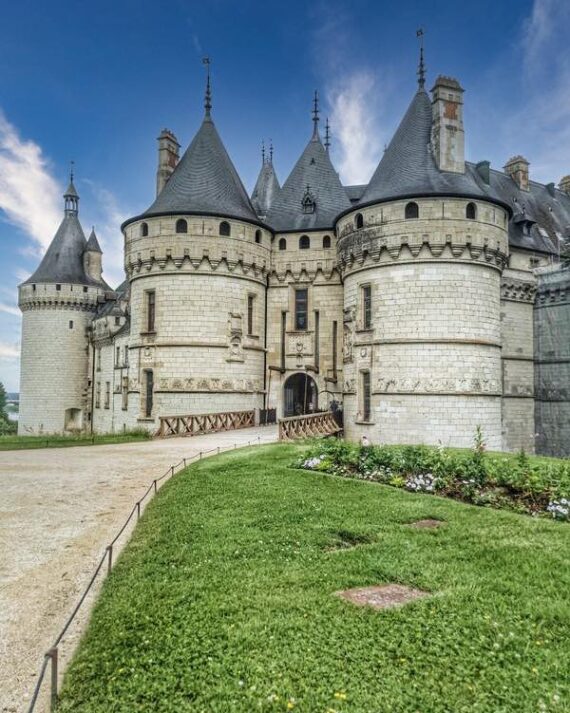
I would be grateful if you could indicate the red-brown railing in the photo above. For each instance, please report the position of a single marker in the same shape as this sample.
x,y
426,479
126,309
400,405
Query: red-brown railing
x,y
196,424
310,426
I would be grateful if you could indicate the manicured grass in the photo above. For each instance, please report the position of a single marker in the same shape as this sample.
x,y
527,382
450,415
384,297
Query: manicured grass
x,y
15,443
223,601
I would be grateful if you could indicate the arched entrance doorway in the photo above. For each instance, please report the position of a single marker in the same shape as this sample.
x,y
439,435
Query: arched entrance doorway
x,y
300,395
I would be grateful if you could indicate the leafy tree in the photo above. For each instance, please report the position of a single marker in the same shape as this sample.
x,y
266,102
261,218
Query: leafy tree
x,y
3,400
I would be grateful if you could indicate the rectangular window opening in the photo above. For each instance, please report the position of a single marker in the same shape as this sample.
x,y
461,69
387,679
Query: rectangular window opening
x,y
366,396
366,306
150,310
301,309
250,308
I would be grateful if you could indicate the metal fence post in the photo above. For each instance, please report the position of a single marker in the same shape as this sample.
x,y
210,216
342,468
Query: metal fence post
x,y
200,455
110,560
52,653
171,471
155,488
138,510
184,462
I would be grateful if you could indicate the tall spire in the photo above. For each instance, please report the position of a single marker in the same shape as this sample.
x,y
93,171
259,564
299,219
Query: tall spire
x,y
327,134
208,97
71,197
316,116
421,67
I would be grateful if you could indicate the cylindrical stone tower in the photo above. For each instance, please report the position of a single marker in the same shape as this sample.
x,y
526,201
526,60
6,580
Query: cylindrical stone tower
x,y
422,266
58,303
197,261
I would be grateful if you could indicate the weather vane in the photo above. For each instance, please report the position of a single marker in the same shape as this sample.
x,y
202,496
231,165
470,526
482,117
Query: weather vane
x,y
421,69
208,100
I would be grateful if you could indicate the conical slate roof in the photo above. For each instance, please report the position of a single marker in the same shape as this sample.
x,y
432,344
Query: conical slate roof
x,y
408,167
266,189
205,181
93,244
313,173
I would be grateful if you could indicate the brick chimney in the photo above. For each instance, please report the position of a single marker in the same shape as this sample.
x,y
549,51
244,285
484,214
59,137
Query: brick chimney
x,y
168,155
517,168
564,184
447,135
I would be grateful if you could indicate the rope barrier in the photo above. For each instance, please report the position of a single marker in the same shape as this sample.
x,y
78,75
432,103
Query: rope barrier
x,y
52,655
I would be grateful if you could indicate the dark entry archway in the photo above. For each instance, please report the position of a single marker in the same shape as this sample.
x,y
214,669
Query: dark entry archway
x,y
300,395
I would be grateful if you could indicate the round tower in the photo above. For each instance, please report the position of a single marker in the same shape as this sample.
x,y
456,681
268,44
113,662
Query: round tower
x,y
421,257
197,262
58,303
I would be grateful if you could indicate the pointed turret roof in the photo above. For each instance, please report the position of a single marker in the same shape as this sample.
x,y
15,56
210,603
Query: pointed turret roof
x,y
93,244
267,186
63,261
313,179
204,181
408,167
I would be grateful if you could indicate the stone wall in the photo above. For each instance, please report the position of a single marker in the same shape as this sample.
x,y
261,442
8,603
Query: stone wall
x,y
552,353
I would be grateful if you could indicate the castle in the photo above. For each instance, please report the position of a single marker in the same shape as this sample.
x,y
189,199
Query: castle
x,y
426,302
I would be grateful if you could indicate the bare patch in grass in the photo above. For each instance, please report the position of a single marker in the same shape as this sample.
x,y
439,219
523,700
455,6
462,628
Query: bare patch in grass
x,y
427,524
345,540
384,596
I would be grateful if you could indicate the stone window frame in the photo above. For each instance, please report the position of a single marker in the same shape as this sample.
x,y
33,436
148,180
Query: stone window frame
x,y
149,311
143,230
97,394
304,242
300,287
282,245
471,211
181,226
107,395
125,393
364,415
258,236
225,229
365,311
250,316
359,221
412,211
327,242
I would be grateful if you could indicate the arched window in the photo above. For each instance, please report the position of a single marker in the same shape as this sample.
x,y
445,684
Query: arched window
x,y
225,228
282,244
181,226
327,241
304,242
144,230
471,211
412,211
258,236
359,221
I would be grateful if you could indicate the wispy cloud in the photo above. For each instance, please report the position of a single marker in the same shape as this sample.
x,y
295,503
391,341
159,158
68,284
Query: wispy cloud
x,y
29,196
9,309
9,351
354,126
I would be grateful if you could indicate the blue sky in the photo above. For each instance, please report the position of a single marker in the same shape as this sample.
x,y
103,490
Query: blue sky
x,y
96,82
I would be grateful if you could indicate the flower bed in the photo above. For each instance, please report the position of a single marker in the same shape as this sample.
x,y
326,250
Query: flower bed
x,y
517,482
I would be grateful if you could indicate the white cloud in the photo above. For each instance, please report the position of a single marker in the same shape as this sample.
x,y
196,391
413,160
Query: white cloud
x,y
29,196
354,126
9,309
9,351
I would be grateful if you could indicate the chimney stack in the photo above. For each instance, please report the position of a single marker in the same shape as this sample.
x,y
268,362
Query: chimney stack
x,y
517,168
168,156
448,136
564,184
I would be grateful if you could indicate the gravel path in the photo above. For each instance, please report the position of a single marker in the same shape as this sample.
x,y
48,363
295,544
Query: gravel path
x,y
59,508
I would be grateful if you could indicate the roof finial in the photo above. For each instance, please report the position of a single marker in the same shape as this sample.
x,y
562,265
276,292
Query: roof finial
x,y
263,151
271,151
316,115
327,134
71,166
208,98
421,68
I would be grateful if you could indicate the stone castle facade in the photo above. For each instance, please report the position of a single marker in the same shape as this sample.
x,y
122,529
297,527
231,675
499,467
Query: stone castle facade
x,y
415,301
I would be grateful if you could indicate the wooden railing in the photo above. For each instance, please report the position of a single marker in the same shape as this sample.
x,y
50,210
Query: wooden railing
x,y
309,426
197,424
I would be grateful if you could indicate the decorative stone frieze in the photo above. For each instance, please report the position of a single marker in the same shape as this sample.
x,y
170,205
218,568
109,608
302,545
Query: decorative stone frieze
x,y
517,290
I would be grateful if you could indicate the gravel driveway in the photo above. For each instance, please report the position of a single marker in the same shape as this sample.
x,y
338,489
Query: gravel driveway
x,y
59,508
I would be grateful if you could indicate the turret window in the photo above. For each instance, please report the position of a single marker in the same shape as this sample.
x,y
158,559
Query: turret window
x,y
365,395
412,211
282,244
301,309
366,295
225,228
358,221
326,242
258,236
471,211
144,230
58,288
150,310
181,226
304,242
71,324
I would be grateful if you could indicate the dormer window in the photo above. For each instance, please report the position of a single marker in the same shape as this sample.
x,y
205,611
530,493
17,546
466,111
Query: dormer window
x,y
308,203
412,211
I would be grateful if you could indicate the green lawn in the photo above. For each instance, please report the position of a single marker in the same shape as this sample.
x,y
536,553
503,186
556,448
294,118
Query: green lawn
x,y
223,601
15,443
